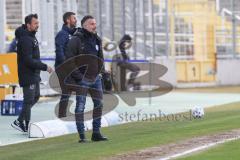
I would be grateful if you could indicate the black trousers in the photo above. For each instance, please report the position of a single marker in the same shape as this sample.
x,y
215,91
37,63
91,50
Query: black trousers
x,y
31,95
63,104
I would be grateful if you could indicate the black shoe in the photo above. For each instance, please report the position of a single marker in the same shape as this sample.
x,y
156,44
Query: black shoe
x,y
19,126
98,137
82,138
83,141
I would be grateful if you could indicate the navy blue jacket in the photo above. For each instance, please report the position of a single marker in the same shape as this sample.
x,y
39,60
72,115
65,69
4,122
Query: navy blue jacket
x,y
61,41
28,57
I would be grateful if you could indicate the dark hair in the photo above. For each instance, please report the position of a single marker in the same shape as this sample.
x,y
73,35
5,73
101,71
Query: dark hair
x,y
66,16
28,18
85,18
126,37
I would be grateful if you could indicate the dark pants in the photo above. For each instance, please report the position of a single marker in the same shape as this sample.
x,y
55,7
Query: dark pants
x,y
63,104
31,95
66,93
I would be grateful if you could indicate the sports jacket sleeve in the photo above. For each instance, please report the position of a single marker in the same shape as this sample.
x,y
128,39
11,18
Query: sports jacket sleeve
x,y
27,55
72,52
60,42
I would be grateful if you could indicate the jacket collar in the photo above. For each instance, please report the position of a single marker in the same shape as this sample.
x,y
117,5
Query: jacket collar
x,y
22,31
85,33
67,29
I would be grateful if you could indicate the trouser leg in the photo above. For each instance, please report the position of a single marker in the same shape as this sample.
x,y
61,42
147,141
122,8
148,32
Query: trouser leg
x,y
30,97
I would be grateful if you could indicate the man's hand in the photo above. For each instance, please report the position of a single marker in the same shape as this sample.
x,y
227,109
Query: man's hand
x,y
49,69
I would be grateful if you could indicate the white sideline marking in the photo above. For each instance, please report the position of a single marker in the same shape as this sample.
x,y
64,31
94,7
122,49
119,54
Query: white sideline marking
x,y
199,148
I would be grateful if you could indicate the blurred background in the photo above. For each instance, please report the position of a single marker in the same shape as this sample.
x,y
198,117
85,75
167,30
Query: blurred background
x,y
197,40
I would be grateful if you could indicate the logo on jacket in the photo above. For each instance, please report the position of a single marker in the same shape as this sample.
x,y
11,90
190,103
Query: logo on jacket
x,y
97,47
35,43
69,36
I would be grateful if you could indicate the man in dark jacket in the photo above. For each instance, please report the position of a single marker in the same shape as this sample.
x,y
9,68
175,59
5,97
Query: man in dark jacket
x,y
86,43
61,41
29,67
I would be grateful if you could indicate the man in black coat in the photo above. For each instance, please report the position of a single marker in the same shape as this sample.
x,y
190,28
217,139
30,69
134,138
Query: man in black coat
x,y
29,67
86,46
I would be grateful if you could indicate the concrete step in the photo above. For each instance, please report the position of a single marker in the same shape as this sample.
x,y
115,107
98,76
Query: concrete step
x,y
14,13
14,16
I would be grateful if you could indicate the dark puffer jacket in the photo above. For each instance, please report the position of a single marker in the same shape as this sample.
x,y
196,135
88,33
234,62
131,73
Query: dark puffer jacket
x,y
28,57
89,44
